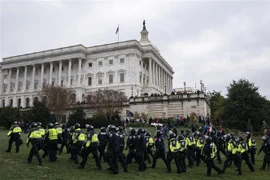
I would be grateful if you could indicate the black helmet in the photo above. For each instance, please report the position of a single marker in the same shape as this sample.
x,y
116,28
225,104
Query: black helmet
x,y
180,138
14,123
112,128
64,125
228,137
187,132
248,134
56,123
132,131
140,131
39,123
50,125
219,134
182,132
103,129
148,134
208,140
172,135
265,138
90,128
77,125
158,133
212,133
120,128
34,124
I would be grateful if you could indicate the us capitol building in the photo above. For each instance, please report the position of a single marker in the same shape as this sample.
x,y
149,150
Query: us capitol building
x,y
128,66
133,67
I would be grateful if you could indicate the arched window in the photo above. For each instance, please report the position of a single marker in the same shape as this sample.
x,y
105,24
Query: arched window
x,y
3,103
19,103
11,102
27,103
72,98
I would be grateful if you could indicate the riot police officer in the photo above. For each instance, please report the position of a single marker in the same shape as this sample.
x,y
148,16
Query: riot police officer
x,y
173,153
160,149
51,140
15,136
78,140
35,137
90,147
103,140
210,150
131,144
266,149
140,149
112,154
251,143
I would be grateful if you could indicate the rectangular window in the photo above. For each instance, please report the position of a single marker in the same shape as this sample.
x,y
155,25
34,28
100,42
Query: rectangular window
x,y
62,82
122,77
110,79
5,76
62,68
122,60
27,86
89,81
111,62
53,69
140,78
140,62
45,70
100,63
90,64
71,81
99,80
35,86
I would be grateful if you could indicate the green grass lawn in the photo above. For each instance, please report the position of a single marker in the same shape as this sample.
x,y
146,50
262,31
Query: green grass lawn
x,y
14,165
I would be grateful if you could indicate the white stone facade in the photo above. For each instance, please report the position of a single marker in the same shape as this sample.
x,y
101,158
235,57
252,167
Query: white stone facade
x,y
131,67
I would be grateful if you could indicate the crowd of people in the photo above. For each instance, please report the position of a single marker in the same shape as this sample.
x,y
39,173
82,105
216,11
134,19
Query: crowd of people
x,y
110,143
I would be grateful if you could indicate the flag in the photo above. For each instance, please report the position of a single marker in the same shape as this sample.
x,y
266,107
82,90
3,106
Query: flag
x,y
129,113
117,30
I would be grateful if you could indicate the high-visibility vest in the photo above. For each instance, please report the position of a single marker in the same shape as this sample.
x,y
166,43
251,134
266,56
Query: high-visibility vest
x,y
52,134
174,145
14,129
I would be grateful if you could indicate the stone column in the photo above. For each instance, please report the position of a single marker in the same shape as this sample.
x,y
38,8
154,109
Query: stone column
x,y
41,76
9,79
60,73
159,77
25,78
51,71
33,78
150,72
156,74
79,72
69,73
17,79
2,84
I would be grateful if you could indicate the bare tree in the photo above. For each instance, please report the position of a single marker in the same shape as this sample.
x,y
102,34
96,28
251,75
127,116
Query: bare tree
x,y
106,102
57,99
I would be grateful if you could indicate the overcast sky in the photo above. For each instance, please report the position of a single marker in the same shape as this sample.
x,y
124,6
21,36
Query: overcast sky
x,y
216,42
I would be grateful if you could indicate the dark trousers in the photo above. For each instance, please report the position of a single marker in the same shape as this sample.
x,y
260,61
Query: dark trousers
x,y
101,149
123,158
266,160
75,151
140,160
131,155
158,154
36,146
237,161
112,160
189,154
182,161
86,151
52,150
246,159
173,156
210,164
65,144
198,156
148,153
17,143
252,153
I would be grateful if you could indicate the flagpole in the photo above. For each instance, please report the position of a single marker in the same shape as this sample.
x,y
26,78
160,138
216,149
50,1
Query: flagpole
x,y
118,32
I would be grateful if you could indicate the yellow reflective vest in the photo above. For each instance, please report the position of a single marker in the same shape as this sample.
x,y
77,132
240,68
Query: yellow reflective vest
x,y
174,145
93,140
52,134
14,129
